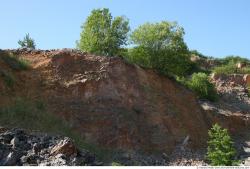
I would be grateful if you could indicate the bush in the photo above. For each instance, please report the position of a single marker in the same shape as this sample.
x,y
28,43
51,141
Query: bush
x,y
182,80
220,149
27,42
200,84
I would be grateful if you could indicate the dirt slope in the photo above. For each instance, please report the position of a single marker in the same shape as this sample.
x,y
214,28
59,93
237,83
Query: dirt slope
x,y
116,105
109,102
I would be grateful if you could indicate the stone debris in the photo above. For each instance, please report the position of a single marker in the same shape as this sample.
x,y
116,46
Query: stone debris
x,y
19,148
232,110
233,91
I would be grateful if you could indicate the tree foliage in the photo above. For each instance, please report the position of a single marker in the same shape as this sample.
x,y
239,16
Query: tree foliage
x,y
27,42
161,46
220,149
102,34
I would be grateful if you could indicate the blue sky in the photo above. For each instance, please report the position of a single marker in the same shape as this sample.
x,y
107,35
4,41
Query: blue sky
x,y
213,27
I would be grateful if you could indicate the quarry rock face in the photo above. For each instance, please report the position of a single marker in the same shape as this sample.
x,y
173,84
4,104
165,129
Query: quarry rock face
x,y
118,105
112,103
146,118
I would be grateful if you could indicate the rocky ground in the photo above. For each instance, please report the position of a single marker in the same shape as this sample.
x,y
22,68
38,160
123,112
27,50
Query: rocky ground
x,y
234,95
232,110
17,147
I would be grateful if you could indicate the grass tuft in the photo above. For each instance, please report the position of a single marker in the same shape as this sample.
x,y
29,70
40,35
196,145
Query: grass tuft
x,y
15,62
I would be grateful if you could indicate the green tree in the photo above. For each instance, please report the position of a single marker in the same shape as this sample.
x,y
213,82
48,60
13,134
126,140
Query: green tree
x,y
201,85
220,149
102,34
27,42
161,46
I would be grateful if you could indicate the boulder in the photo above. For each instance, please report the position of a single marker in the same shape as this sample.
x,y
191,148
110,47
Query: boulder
x,y
15,142
12,158
247,79
66,147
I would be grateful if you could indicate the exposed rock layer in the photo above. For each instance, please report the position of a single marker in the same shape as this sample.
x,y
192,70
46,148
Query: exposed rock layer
x,y
110,102
118,105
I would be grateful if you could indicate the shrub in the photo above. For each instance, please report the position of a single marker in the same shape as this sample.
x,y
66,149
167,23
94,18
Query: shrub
x,y
200,84
220,149
102,34
27,42
182,80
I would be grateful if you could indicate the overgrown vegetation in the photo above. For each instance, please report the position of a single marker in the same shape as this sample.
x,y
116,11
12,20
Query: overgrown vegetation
x,y
228,65
201,85
32,115
102,34
231,68
15,62
220,151
27,42
233,59
197,53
